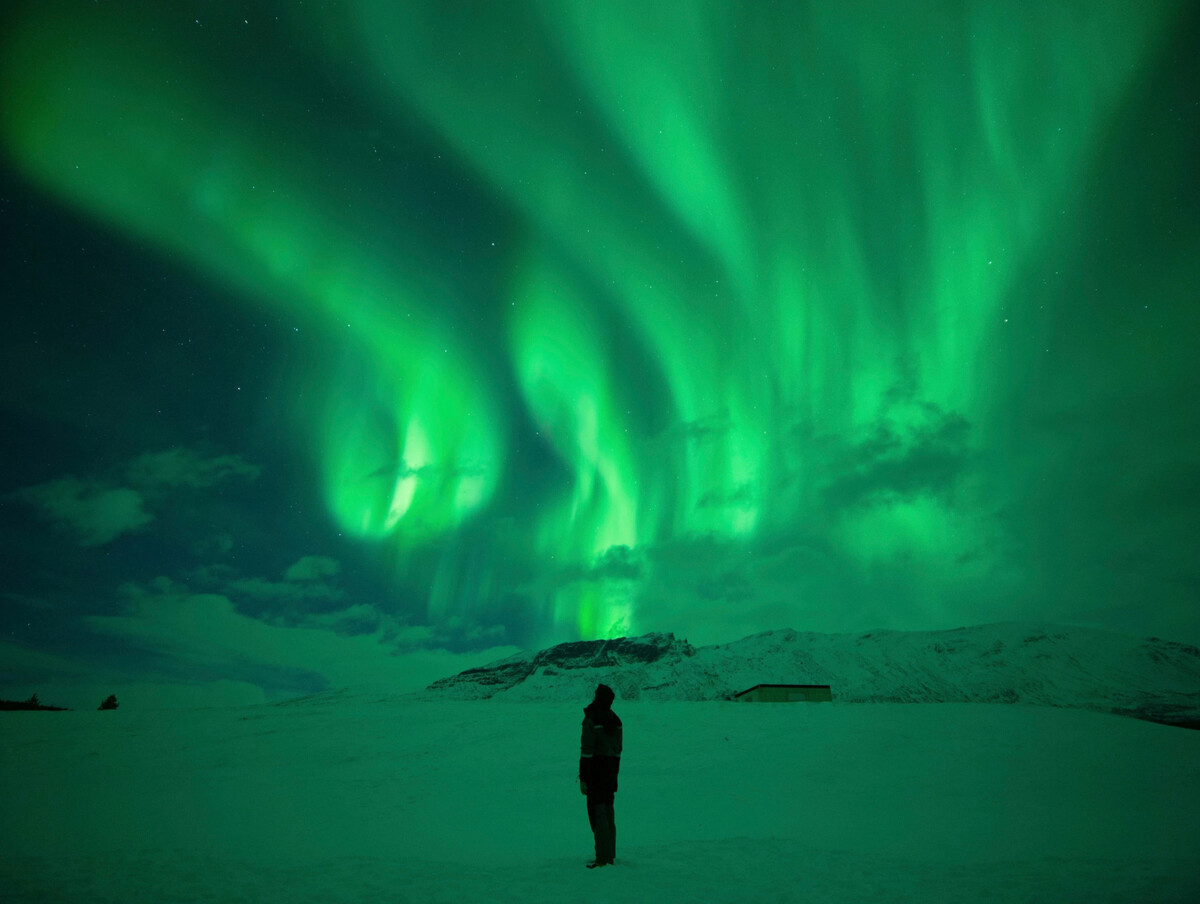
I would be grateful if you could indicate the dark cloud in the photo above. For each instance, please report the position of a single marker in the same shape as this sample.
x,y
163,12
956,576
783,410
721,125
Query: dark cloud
x,y
742,496
702,429
899,459
733,587
619,562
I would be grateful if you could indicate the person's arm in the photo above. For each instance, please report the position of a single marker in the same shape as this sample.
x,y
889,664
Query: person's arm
x,y
587,750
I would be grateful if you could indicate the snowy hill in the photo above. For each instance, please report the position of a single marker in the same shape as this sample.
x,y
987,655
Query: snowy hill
x,y
1003,663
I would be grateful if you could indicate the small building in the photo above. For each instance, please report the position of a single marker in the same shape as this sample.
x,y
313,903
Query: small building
x,y
785,693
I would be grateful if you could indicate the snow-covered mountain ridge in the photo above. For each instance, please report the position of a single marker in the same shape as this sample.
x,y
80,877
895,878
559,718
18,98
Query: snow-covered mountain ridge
x,y
1050,665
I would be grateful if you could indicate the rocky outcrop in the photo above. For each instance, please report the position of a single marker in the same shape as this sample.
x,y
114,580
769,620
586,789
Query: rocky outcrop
x,y
595,656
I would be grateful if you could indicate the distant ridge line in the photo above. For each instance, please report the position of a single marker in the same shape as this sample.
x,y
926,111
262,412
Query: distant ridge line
x,y
1008,662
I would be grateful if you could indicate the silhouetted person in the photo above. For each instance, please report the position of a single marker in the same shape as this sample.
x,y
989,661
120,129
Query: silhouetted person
x,y
599,762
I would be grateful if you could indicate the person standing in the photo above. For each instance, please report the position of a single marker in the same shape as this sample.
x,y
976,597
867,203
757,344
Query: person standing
x,y
599,762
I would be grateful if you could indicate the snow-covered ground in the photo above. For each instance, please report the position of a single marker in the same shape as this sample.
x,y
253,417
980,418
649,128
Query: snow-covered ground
x,y
344,798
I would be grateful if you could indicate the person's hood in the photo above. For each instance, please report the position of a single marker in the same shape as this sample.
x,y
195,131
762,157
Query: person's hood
x,y
600,709
604,696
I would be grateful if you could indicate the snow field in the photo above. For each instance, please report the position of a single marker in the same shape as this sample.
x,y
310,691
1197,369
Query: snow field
x,y
344,799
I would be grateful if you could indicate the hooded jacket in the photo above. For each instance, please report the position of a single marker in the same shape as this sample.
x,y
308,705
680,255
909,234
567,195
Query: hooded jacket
x,y
600,745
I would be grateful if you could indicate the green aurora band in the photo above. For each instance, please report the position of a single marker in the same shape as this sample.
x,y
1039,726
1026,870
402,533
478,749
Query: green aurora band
x,y
756,241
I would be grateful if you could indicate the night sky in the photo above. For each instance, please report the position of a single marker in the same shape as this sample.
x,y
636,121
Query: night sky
x,y
356,343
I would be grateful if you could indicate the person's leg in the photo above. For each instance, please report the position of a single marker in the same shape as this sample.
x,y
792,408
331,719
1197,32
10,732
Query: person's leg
x,y
595,818
605,829
612,832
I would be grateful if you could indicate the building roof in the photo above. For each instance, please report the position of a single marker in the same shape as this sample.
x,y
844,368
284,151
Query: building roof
x,y
749,689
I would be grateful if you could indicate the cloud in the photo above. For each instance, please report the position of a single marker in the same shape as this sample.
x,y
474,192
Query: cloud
x,y
27,601
308,583
395,469
312,568
283,591
703,429
216,546
922,453
78,683
741,496
205,632
98,510
96,514
359,618
722,590
183,467
617,563
23,664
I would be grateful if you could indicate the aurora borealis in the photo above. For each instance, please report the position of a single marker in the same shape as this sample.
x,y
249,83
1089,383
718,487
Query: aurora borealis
x,y
350,332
